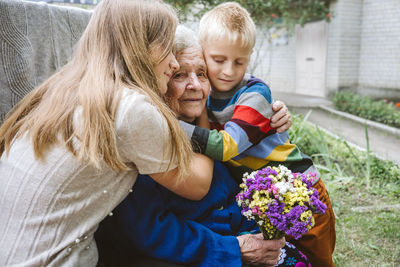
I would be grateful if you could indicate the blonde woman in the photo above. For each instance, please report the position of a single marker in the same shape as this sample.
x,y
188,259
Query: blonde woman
x,y
72,149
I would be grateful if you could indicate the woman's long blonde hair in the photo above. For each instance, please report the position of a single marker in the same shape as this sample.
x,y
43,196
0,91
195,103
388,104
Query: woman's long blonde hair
x,y
112,53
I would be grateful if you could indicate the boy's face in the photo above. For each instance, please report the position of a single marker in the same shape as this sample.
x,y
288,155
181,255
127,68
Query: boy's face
x,y
226,63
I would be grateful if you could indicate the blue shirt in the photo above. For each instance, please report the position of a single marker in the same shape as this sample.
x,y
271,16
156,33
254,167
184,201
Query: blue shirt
x,y
154,221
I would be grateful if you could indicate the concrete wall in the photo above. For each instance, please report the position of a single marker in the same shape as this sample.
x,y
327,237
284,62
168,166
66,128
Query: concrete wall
x,y
334,45
344,45
380,48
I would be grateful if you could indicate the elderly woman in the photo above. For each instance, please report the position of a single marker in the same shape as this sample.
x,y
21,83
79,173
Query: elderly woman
x,y
155,227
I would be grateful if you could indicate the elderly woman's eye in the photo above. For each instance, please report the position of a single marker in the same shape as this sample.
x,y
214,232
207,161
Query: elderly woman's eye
x,y
177,75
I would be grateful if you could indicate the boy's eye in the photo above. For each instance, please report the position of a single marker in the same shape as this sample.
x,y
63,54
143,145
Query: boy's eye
x,y
239,63
218,60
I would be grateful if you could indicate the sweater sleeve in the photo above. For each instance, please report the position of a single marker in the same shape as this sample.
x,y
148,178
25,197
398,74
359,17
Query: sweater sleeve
x,y
143,223
249,124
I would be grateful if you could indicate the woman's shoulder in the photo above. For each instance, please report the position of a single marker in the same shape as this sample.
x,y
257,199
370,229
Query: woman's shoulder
x,y
142,132
136,112
136,105
134,99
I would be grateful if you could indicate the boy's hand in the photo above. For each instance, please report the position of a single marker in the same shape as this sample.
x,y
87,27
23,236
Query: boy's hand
x,y
202,121
281,120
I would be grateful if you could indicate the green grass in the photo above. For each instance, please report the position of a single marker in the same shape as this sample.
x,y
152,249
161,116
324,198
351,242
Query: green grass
x,y
364,191
369,237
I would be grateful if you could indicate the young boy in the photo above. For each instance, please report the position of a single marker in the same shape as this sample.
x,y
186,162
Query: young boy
x,y
239,108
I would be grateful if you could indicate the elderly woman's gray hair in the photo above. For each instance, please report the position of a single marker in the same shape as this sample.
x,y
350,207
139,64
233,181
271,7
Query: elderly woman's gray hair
x,y
184,38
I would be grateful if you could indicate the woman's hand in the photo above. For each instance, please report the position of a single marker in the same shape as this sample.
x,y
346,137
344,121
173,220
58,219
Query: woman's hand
x,y
281,120
257,251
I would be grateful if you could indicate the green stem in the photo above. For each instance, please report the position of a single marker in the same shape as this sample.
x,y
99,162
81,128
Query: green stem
x,y
277,234
368,176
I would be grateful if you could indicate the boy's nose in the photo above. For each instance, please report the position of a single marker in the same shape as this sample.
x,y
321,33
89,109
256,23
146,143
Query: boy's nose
x,y
228,69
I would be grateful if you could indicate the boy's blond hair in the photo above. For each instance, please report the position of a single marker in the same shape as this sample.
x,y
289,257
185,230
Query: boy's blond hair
x,y
228,20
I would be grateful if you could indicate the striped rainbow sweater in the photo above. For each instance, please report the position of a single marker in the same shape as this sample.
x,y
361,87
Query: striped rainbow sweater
x,y
242,134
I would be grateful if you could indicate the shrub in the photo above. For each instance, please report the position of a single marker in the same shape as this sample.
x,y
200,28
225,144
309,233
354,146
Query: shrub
x,y
366,107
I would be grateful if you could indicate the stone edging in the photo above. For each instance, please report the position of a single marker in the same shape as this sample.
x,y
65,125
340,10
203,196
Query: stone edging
x,y
370,123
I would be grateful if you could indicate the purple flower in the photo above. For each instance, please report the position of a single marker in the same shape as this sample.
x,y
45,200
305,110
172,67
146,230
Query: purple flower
x,y
280,219
318,205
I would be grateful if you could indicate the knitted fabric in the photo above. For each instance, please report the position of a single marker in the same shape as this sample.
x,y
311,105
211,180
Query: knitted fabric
x,y
36,39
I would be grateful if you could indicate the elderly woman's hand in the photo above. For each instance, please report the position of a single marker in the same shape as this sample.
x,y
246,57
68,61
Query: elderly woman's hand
x,y
281,120
259,252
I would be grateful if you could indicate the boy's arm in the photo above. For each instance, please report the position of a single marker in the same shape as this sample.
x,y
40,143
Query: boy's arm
x,y
249,124
203,121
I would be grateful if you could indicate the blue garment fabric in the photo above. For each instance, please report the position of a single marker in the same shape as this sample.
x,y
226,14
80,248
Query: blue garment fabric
x,y
154,221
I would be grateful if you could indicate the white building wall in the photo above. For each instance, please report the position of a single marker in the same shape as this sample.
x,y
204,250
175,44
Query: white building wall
x,y
283,71
275,64
333,56
351,16
380,46
344,45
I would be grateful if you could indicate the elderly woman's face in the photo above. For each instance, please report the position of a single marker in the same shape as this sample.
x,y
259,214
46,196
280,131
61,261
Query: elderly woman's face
x,y
189,87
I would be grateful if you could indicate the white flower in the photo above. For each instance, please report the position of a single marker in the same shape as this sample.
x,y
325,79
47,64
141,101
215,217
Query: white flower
x,y
284,187
249,216
284,169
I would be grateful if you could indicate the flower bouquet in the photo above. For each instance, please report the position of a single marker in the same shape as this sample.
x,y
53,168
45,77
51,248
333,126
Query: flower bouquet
x,y
281,202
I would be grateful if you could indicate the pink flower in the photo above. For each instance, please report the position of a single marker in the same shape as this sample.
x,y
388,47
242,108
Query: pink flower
x,y
275,190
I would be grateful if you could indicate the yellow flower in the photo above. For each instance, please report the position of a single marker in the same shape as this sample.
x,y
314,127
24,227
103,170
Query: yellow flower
x,y
269,228
261,200
305,215
312,223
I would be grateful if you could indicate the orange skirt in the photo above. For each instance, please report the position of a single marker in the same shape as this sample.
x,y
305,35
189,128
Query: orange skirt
x,y
319,243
